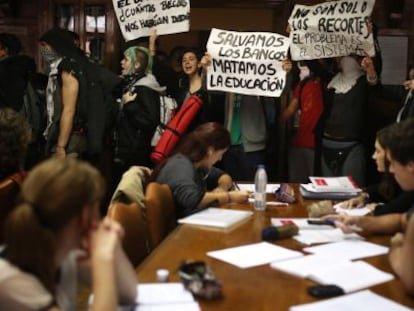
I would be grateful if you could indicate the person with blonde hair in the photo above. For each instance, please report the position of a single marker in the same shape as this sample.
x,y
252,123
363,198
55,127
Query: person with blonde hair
x,y
54,236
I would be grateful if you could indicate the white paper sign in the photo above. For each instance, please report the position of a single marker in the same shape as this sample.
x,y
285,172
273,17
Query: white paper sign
x,y
247,63
331,29
136,18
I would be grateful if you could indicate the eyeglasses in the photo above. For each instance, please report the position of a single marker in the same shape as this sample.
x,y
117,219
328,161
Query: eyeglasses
x,y
200,280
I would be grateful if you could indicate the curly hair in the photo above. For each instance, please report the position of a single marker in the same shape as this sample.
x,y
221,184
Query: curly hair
x,y
15,135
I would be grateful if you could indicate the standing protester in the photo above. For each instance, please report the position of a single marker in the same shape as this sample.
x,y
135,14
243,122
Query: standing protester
x,y
65,133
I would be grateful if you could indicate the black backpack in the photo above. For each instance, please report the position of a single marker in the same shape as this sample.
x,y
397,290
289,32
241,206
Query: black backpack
x,y
97,104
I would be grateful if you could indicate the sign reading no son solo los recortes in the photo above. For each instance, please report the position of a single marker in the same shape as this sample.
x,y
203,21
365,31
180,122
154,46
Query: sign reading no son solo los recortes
x,y
247,63
331,29
137,18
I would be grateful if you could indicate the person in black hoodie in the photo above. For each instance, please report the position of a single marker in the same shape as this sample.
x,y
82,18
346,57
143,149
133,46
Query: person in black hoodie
x,y
139,112
15,71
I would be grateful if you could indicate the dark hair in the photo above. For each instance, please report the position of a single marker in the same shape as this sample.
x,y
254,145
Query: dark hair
x,y
401,141
194,51
388,186
11,42
55,192
15,136
195,144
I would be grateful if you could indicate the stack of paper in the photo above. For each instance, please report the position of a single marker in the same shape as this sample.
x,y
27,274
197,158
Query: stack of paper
x,y
334,184
254,254
216,217
364,300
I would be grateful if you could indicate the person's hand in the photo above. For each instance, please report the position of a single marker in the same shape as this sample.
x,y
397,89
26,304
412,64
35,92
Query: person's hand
x,y
287,65
205,61
105,239
152,40
409,84
128,96
239,196
348,224
354,202
60,152
288,28
367,64
397,240
371,207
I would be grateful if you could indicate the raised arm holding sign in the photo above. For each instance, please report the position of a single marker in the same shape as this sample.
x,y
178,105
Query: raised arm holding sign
x,y
137,18
331,29
247,63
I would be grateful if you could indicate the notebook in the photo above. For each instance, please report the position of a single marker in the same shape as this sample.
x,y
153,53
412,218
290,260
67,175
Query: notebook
x,y
216,217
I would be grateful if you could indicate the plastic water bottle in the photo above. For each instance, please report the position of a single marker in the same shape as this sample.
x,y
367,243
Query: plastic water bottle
x,y
260,182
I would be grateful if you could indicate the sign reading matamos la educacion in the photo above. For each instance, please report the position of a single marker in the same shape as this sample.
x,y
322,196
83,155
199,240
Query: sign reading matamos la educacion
x,y
247,63
137,18
331,29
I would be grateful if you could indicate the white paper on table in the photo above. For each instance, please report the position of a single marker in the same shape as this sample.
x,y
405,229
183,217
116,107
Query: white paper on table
x,y
304,266
310,237
254,254
160,297
182,306
270,188
163,293
351,211
350,276
363,300
348,249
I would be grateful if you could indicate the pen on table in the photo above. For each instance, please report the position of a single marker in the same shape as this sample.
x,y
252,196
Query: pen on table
x,y
333,223
236,186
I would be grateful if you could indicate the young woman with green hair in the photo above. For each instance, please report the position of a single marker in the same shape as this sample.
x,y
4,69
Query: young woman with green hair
x,y
139,112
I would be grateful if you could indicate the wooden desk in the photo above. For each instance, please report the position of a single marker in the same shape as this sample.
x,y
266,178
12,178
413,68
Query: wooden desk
x,y
258,288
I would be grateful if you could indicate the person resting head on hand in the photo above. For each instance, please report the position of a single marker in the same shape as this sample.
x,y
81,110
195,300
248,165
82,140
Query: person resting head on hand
x,y
190,172
54,236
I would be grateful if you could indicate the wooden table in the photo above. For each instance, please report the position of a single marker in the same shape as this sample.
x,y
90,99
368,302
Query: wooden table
x,y
257,288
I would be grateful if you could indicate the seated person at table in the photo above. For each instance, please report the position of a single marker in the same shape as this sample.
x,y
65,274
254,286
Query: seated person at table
x,y
388,192
55,235
400,153
194,181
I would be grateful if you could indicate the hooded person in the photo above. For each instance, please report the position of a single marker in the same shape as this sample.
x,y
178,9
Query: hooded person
x,y
15,72
139,112
65,130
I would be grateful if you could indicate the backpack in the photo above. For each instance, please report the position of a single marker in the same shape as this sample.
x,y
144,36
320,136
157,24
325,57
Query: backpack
x,y
33,112
97,104
168,105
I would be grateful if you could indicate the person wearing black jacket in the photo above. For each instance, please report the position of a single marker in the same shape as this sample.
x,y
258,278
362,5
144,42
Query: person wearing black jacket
x,y
139,112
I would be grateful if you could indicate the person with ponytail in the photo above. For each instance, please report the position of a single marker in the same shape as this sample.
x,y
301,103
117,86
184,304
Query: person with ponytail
x,y
54,236
139,112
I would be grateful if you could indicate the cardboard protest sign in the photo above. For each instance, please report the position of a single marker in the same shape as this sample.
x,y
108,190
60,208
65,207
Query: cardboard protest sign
x,y
247,63
331,29
136,18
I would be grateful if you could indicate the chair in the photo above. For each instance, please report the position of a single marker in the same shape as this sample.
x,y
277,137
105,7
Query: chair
x,y
9,190
160,212
135,242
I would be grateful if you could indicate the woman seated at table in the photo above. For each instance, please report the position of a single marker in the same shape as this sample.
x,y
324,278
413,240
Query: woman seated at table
x,y
189,171
54,236
388,192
